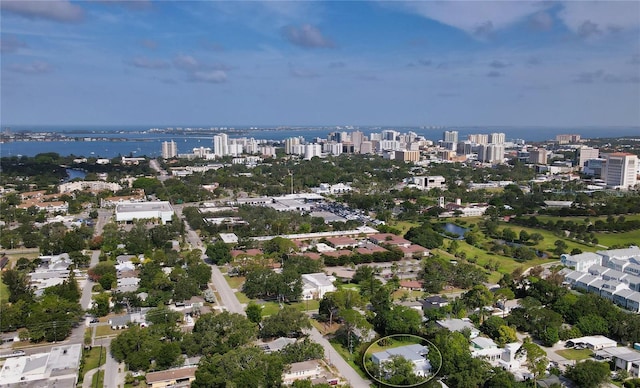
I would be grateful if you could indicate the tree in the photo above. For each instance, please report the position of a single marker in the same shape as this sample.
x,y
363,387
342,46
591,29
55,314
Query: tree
x,y
18,284
101,305
524,236
589,373
353,321
399,371
219,253
509,235
561,247
288,322
222,332
536,358
398,320
478,297
254,312
241,367
436,273
302,351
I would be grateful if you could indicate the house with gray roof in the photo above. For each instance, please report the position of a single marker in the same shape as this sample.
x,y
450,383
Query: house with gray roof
x,y
459,325
415,353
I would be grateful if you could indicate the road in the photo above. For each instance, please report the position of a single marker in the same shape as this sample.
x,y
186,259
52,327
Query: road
x,y
156,166
228,299
352,377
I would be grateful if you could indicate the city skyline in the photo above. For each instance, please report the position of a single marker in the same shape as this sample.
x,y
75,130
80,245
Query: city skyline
x,y
321,63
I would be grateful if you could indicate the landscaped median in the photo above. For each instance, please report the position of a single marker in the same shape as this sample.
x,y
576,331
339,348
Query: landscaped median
x,y
91,359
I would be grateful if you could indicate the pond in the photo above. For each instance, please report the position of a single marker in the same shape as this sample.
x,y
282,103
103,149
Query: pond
x,y
75,173
459,231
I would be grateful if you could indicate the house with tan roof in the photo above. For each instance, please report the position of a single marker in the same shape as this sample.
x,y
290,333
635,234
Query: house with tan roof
x,y
174,378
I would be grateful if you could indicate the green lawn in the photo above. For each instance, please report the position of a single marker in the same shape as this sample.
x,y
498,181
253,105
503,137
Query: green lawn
x,y
394,343
350,286
93,358
574,354
271,308
98,379
4,292
403,226
411,295
626,238
549,239
105,330
235,282
242,298
349,358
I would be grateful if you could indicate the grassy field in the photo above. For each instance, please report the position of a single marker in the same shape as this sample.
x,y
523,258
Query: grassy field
x,y
580,219
574,354
403,226
411,295
105,330
349,358
4,292
98,379
626,238
242,298
549,238
235,282
394,343
93,358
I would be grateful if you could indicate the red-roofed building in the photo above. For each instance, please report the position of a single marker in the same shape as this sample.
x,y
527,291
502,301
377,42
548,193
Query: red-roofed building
x,y
389,238
414,250
342,242
413,285
370,249
342,252
311,255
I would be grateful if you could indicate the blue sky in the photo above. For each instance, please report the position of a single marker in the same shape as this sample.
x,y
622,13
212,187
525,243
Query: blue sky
x,y
521,63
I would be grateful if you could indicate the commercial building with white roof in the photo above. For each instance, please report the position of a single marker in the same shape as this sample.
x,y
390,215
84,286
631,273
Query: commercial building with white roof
x,y
130,211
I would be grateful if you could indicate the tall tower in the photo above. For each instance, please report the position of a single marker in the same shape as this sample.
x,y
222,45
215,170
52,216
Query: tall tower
x,y
169,149
450,136
220,145
620,170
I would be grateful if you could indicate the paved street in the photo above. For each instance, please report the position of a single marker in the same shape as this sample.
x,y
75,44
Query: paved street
x,y
338,362
228,299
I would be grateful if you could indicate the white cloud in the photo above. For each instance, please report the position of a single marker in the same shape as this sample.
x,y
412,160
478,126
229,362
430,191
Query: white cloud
x,y
588,18
186,62
55,10
11,44
147,63
37,67
213,76
475,16
306,36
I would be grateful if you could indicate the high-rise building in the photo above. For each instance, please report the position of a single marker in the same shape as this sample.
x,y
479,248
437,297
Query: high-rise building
x,y
538,156
290,143
497,138
366,147
169,149
491,153
311,150
357,138
389,134
620,170
450,136
566,139
220,145
587,153
479,138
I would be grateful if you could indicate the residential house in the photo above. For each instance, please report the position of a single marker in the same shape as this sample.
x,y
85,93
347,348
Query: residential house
x,y
415,353
315,285
173,378
302,371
